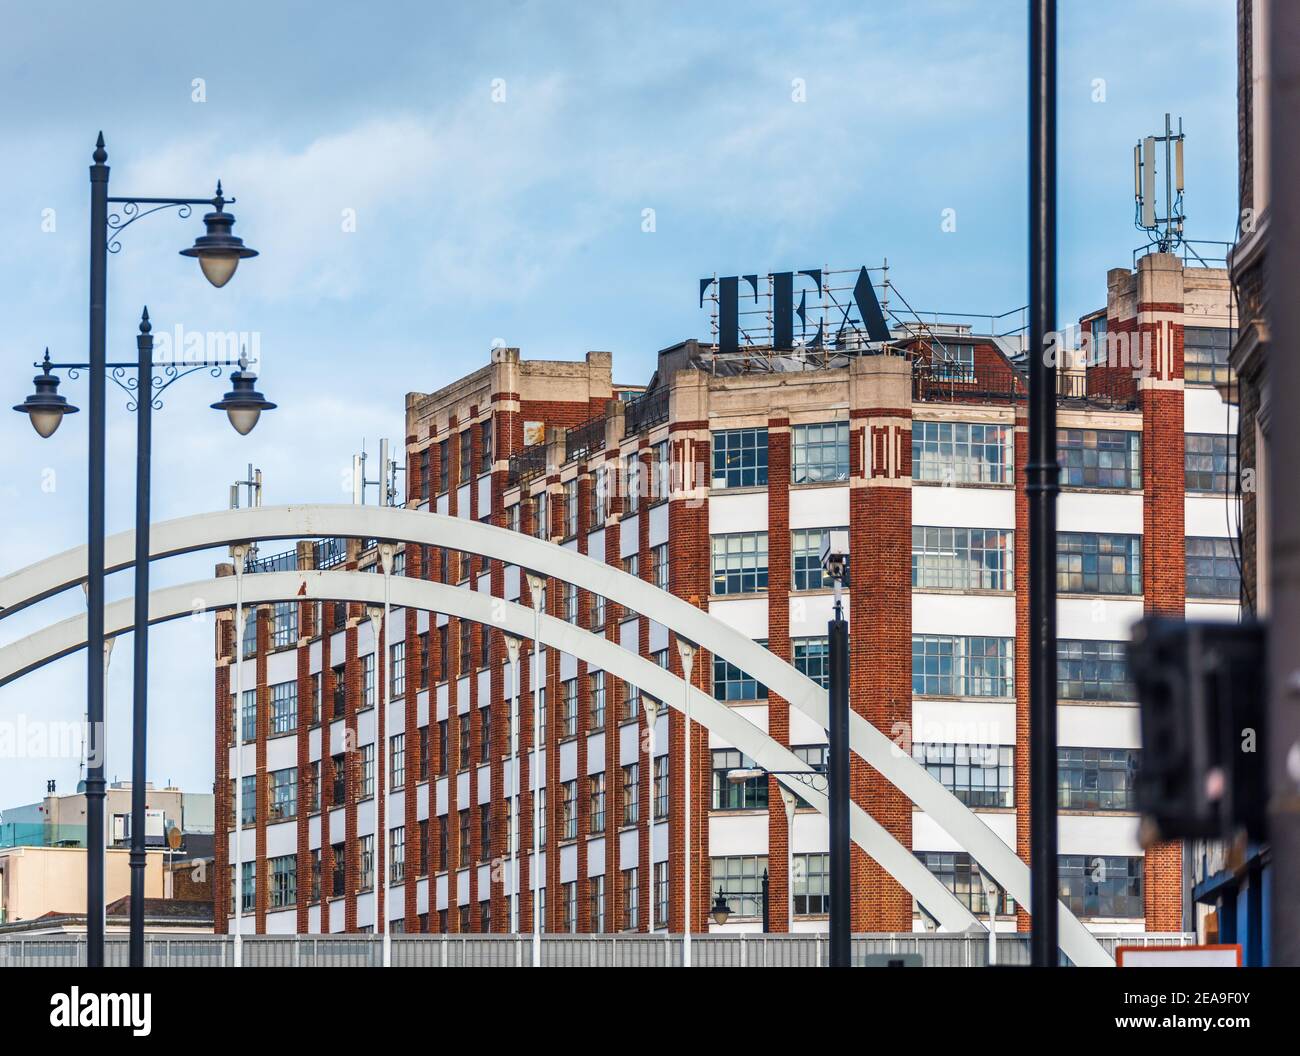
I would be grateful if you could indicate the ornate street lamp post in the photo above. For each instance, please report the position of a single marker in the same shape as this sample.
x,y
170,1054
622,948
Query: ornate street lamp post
x,y
218,253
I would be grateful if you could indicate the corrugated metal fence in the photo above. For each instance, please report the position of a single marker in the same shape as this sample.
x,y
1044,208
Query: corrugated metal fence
x,y
494,951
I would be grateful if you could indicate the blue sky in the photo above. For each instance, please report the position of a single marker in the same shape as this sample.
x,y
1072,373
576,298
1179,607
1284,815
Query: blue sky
x,y
518,220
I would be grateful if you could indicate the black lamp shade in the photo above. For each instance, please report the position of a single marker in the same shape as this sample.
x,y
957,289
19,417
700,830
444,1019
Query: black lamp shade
x,y
45,407
219,252
243,404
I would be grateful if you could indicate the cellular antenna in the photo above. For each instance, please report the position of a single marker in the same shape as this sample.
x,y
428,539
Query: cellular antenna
x,y
1165,232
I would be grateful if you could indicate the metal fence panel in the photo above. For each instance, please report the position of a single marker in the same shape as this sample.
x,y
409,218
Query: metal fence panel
x,y
630,950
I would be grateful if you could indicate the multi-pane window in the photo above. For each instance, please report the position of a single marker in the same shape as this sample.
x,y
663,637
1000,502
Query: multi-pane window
x,y
248,715
630,891
740,458
661,894
570,498
806,559
627,706
631,483
485,733
338,877
598,612
466,647
660,471
249,636
466,842
339,775
485,446
247,886
659,566
1205,354
962,452
820,453
512,517
444,652
396,670
1092,670
959,665
1096,778
444,842
315,876
812,885
284,624
284,707
740,880
1100,458
466,445
596,794
739,563
632,565
980,775
631,793
569,907
542,515
596,686
444,466
1095,563
314,703
397,762
463,740
423,462
1212,569
569,599
960,875
569,810
599,498
812,657
661,787
1210,462
955,361
728,794
569,707
484,832
366,856
282,786
731,683
397,854
1101,886
368,680
963,558
596,891
367,752
284,880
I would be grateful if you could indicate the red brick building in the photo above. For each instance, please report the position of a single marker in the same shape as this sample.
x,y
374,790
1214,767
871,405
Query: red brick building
x,y
717,481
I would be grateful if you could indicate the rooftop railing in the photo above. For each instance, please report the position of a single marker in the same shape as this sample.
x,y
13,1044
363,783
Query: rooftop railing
x,y
645,412
583,439
528,463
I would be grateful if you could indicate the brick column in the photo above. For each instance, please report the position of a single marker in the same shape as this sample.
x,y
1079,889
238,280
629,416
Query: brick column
x,y
778,643
1160,396
880,614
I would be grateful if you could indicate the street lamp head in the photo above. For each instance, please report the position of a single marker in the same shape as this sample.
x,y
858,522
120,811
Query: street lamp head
x,y
243,404
219,252
45,407
721,911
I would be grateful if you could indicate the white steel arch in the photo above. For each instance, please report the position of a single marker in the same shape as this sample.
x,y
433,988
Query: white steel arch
x,y
168,603
202,531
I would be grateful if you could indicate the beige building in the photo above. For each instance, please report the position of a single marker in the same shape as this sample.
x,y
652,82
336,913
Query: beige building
x,y
38,881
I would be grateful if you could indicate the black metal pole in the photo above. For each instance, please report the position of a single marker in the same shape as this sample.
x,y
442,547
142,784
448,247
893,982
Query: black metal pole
x,y
96,742
838,780
1042,475
140,691
767,910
